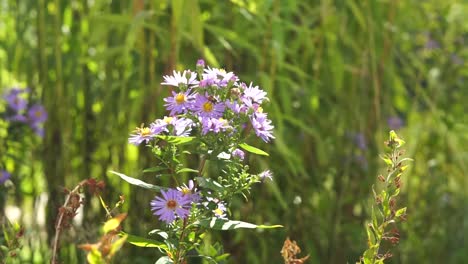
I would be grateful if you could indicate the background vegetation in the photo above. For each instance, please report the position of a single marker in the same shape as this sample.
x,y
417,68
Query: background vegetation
x,y
335,71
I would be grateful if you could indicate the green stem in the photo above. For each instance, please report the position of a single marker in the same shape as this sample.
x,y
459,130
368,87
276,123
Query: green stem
x,y
179,255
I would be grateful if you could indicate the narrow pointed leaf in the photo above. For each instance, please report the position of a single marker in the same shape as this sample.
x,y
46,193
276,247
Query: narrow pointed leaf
x,y
186,170
225,224
144,242
136,182
252,149
117,245
176,140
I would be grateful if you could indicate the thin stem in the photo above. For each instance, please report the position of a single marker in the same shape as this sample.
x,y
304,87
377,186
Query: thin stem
x,y
180,250
201,166
58,225
179,255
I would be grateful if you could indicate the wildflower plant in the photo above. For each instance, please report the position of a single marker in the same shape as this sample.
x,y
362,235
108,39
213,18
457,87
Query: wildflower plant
x,y
385,211
20,115
211,115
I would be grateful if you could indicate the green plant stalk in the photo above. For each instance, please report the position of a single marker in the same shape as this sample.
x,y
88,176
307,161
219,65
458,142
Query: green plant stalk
x,y
179,256
386,204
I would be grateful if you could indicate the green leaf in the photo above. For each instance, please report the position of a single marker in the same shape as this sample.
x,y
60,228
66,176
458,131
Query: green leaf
x,y
159,232
225,224
176,140
145,242
117,245
387,160
254,150
370,235
95,257
164,260
186,170
375,225
222,257
210,184
406,159
356,10
111,225
400,212
369,255
136,182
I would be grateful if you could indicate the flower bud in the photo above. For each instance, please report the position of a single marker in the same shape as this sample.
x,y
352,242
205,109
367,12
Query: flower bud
x,y
200,66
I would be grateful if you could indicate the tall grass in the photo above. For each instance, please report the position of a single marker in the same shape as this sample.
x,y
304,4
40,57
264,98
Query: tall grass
x,y
333,70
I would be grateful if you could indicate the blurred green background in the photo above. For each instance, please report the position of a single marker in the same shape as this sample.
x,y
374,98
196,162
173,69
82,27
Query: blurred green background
x,y
339,74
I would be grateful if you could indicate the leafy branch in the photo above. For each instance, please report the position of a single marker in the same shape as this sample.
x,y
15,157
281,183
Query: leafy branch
x,y
385,212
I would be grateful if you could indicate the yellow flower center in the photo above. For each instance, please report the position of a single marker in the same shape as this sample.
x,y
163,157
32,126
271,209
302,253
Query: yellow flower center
x,y
171,204
218,211
186,191
259,109
180,98
208,106
38,114
168,119
224,121
144,131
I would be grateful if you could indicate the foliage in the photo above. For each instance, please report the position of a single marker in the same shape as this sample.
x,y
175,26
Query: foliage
x,y
387,215
338,74
212,114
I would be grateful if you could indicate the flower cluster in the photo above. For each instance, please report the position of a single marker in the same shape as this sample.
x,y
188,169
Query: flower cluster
x,y
215,107
209,101
19,110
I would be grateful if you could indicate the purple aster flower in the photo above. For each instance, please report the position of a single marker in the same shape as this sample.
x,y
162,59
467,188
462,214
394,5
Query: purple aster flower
x,y
160,125
221,77
15,102
262,126
17,91
172,204
236,107
187,78
200,63
182,126
17,118
207,82
4,176
38,129
237,153
179,102
395,122
253,95
205,106
265,175
37,114
146,133
215,125
220,211
190,191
